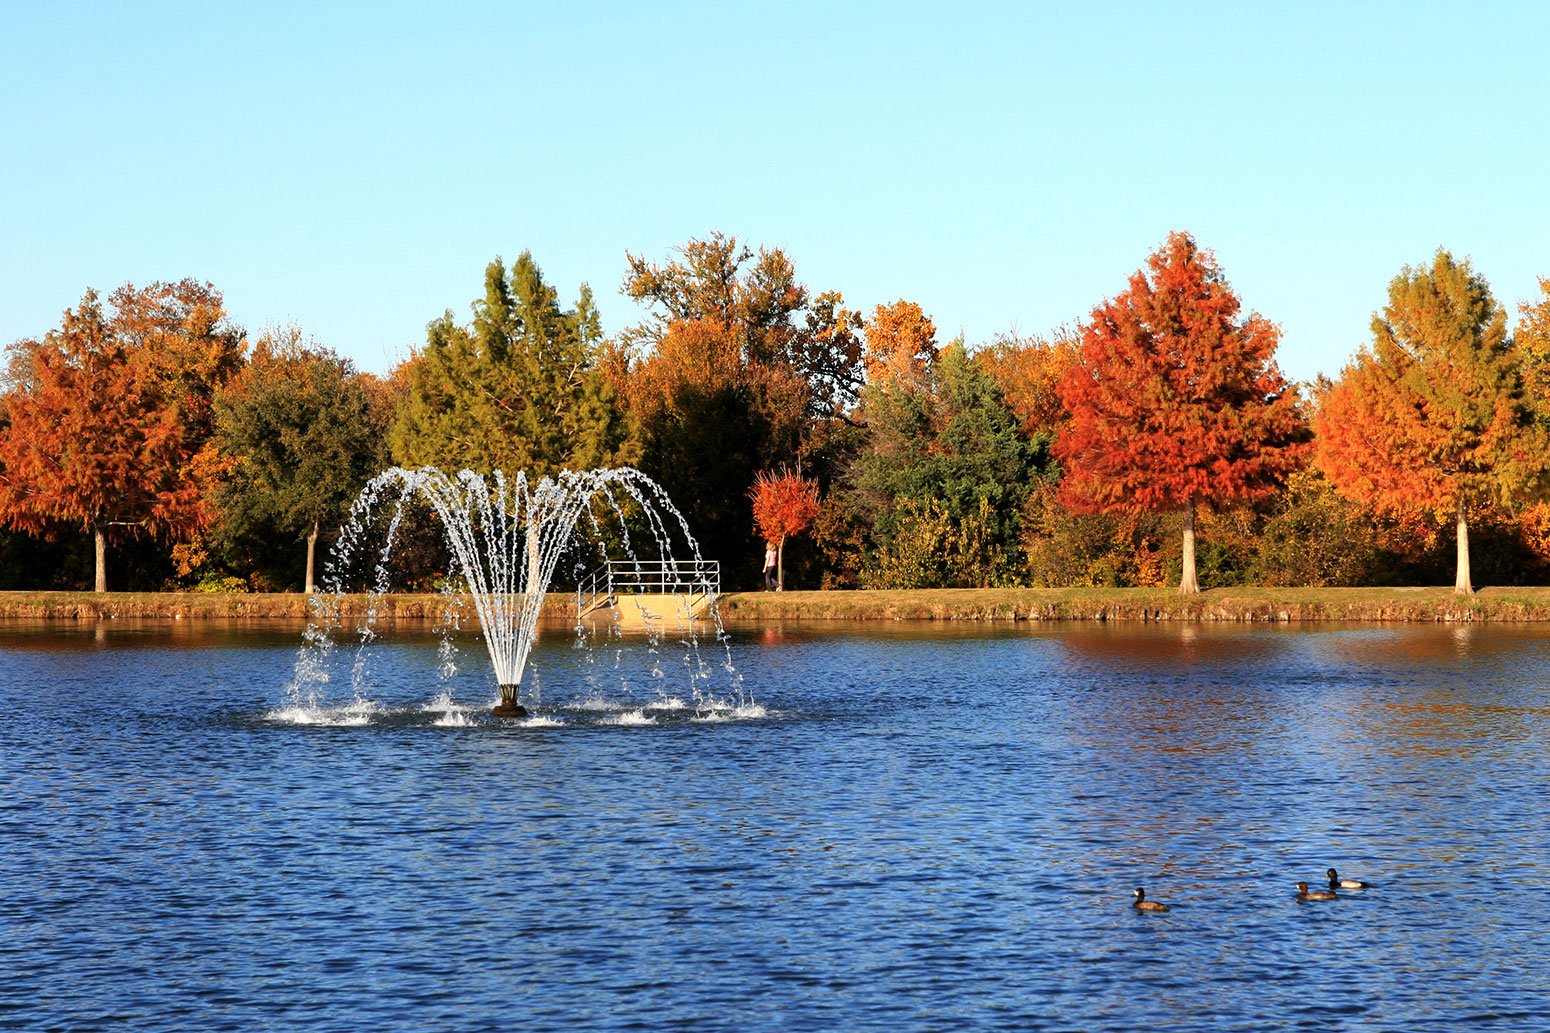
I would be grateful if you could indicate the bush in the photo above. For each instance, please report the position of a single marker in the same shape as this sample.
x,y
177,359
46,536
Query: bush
x,y
1063,549
1313,536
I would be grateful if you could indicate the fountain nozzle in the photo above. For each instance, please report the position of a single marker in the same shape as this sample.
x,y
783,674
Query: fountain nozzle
x,y
508,706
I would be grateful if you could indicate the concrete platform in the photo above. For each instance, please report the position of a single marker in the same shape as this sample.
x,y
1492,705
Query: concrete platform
x,y
651,610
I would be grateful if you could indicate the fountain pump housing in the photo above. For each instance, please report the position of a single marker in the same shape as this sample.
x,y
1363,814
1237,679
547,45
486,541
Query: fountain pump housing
x,y
508,706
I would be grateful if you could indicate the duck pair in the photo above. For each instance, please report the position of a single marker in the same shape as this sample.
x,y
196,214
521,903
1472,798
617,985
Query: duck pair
x,y
1335,883
1303,893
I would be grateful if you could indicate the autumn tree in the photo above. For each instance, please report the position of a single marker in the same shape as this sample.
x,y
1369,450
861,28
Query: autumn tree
x,y
938,483
775,321
1433,415
303,436
180,333
900,347
729,371
109,416
1176,402
1532,344
784,504
520,388
1028,370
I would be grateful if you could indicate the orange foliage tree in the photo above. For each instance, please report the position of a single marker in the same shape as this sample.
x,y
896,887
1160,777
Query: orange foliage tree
x,y
1029,372
730,370
1175,401
1433,417
900,346
784,504
1532,341
109,416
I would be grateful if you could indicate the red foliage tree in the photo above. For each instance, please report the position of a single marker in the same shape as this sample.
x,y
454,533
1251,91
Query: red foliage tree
x,y
1175,401
784,504
108,417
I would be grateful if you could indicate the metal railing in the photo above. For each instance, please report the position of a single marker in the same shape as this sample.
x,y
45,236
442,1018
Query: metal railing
x,y
694,579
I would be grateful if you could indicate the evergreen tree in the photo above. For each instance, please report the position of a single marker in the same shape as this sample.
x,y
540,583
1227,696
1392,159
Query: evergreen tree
x,y
520,388
943,474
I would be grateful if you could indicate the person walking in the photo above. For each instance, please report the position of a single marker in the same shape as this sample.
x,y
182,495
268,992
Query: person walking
x,y
770,568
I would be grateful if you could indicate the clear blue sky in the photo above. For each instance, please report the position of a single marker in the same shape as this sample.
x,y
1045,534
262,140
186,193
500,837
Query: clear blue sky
x,y
352,167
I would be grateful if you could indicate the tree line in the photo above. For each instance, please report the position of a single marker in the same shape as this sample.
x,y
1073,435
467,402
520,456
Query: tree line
x,y
1155,442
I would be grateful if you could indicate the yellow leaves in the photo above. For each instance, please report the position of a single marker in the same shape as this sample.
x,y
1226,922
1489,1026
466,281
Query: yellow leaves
x,y
188,557
1532,345
1028,372
900,346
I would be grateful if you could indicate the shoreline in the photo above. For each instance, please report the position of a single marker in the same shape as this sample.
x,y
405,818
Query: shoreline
x,y
1001,605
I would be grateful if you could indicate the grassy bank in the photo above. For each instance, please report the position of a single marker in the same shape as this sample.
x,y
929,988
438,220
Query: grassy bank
x,y
1147,604
966,604
203,605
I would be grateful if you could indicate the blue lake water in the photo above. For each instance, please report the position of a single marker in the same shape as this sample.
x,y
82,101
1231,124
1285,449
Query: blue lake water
x,y
910,829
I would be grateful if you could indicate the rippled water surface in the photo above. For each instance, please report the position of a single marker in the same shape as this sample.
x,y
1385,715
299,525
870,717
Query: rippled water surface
x,y
908,831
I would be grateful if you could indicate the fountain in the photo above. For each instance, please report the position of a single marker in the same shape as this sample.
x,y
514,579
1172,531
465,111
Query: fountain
x,y
505,536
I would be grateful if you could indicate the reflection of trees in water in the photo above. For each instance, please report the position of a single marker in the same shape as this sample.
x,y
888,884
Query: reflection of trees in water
x,y
1439,724
1208,744
1450,691
56,636
1386,647
1173,690
1163,731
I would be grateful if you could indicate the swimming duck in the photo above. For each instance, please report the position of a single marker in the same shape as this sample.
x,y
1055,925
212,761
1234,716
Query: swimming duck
x,y
1303,893
1142,904
1337,883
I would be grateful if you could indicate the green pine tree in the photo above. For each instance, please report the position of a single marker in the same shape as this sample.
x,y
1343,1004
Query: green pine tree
x,y
519,388
944,475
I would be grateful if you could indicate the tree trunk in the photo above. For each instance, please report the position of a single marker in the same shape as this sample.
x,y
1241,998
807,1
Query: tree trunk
x,y
1187,583
534,585
102,558
780,564
312,551
1461,585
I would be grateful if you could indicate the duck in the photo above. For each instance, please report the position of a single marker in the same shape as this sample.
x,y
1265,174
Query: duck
x,y
1142,904
1337,883
1303,893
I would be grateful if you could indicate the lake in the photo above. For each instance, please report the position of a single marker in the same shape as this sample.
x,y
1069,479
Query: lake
x,y
898,828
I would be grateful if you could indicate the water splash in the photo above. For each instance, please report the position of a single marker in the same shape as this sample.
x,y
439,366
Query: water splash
x,y
630,717
506,537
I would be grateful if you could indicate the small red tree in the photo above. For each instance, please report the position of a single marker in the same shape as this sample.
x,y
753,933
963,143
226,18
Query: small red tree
x,y
784,504
1175,401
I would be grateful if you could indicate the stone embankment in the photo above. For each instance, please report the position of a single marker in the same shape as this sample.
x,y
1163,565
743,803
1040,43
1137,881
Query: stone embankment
x,y
967,604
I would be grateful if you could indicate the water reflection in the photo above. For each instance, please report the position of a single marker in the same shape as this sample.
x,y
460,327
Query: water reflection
x,y
926,831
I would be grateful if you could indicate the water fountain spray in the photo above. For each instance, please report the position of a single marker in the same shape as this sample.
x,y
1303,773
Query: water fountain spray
x,y
506,535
